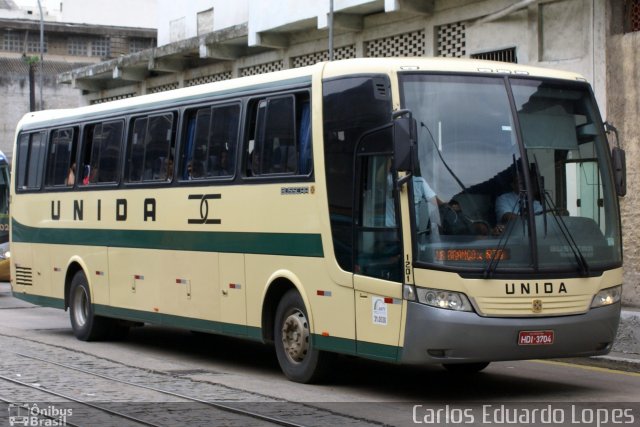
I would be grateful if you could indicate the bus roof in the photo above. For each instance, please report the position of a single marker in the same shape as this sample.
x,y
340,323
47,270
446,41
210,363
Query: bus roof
x,y
291,77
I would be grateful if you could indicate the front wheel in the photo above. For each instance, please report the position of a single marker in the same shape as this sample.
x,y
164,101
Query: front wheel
x,y
86,325
298,358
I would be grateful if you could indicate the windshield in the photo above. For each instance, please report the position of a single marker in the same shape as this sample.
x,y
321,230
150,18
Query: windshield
x,y
479,194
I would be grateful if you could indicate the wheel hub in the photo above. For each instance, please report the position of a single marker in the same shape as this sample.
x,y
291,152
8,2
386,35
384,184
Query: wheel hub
x,y
295,336
80,306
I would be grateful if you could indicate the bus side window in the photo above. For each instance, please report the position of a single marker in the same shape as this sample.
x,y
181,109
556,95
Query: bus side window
x,y
304,139
135,158
223,141
100,159
61,159
150,152
31,153
279,139
111,145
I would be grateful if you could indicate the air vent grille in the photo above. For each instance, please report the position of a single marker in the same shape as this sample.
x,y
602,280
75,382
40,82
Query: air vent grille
x,y
24,276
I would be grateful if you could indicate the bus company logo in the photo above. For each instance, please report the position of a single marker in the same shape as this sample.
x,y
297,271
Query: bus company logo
x,y
29,415
535,288
204,209
536,306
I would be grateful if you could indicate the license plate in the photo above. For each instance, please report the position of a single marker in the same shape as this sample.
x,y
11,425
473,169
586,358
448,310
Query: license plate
x,y
535,337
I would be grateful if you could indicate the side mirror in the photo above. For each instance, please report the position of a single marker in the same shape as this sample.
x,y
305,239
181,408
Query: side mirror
x,y
404,141
618,160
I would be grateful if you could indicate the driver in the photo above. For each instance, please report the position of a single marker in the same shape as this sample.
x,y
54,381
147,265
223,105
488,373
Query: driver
x,y
508,204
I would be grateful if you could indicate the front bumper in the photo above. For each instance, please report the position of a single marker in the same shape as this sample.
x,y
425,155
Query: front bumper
x,y
436,335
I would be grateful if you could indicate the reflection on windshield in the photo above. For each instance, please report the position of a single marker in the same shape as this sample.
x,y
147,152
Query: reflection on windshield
x,y
492,194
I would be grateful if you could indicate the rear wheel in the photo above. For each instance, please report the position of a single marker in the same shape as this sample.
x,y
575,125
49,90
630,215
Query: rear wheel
x,y
298,358
86,325
465,368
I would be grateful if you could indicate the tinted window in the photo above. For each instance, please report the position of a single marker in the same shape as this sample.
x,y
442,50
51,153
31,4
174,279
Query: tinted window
x,y
212,138
101,152
150,155
31,149
61,167
351,106
279,136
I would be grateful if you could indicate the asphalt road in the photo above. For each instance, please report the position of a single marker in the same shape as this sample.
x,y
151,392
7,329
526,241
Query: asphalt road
x,y
387,394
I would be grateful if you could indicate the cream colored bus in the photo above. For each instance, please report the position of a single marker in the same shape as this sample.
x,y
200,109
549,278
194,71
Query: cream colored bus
x,y
347,207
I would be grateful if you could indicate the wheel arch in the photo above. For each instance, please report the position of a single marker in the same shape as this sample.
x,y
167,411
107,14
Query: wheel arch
x,y
75,264
280,283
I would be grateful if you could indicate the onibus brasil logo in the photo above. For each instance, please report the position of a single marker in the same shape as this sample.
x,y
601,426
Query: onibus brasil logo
x,y
29,415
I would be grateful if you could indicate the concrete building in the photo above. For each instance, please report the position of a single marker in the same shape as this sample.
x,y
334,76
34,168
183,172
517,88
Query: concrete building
x,y
67,45
209,41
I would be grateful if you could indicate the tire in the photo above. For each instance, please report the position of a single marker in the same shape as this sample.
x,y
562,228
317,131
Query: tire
x,y
465,368
86,325
298,359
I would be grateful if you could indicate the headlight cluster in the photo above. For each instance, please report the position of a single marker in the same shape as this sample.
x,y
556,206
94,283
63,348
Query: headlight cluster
x,y
607,297
444,299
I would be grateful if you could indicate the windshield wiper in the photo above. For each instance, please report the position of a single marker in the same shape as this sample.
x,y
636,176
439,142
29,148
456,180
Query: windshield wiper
x,y
504,239
564,229
521,202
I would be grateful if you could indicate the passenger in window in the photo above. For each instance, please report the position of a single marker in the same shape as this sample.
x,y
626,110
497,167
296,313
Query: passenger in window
x,y
86,173
71,176
254,168
169,174
196,170
223,166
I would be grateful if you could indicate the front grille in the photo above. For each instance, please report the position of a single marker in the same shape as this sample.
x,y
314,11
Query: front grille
x,y
24,276
524,305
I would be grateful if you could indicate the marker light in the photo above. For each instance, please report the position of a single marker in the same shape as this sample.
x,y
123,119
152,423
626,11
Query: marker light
x,y
607,297
444,299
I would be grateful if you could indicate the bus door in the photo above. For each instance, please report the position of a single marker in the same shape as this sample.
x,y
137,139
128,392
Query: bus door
x,y
377,251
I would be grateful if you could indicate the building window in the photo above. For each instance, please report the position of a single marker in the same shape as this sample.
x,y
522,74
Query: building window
x,y
503,55
33,44
137,45
101,47
12,42
77,46
452,40
205,21
632,16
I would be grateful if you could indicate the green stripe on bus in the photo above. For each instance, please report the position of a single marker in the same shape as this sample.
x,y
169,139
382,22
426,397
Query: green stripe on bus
x,y
40,300
387,353
294,244
182,322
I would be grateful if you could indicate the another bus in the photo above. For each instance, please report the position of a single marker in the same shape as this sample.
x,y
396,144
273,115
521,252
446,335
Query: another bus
x,y
347,207
5,253
4,198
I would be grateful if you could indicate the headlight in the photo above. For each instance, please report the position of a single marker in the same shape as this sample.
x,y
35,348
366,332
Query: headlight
x,y
444,299
5,254
607,297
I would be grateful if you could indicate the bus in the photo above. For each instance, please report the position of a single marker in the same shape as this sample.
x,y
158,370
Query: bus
x,y
347,207
5,253
4,198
